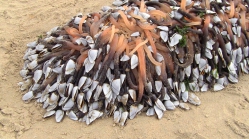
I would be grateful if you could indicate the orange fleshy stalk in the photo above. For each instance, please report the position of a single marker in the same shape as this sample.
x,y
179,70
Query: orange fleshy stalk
x,y
158,13
127,23
146,26
152,43
112,34
207,3
138,45
81,22
114,22
151,57
72,31
183,5
243,7
142,6
122,44
142,70
69,45
81,59
136,16
232,9
243,20
154,35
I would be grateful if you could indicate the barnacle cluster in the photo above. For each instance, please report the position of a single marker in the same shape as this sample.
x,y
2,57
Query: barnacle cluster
x,y
139,56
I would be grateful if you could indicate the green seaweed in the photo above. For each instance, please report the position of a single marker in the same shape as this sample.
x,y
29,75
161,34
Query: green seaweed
x,y
183,32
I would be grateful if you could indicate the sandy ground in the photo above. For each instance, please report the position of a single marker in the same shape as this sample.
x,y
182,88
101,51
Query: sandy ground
x,y
223,114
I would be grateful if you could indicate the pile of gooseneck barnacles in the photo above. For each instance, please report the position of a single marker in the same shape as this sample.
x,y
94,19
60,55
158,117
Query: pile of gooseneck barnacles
x,y
139,56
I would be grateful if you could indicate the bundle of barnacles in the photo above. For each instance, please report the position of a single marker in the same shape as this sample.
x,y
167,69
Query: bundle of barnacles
x,y
140,56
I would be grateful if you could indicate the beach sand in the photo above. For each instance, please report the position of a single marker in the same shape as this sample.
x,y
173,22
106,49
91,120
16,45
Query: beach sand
x,y
223,114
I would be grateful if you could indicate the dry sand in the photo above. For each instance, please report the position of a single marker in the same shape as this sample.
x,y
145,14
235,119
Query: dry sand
x,y
223,114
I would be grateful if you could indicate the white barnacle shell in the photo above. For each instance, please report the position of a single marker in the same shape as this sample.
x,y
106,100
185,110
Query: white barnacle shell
x,y
70,67
33,57
97,92
170,82
80,100
144,15
117,116
174,39
164,36
89,39
123,99
132,93
149,86
160,105
59,114
208,54
133,111
23,73
116,86
158,85
77,20
105,8
117,3
150,112
187,70
32,44
239,30
193,99
32,64
232,78
72,116
124,116
75,93
62,101
82,81
204,87
194,86
40,47
88,65
92,55
159,112
218,87
48,114
176,103
135,34
216,19
125,58
134,61
231,68
53,98
122,78
202,64
37,75
68,105
93,115
158,70
28,96
88,82
61,89
163,28
176,14
51,106
26,84
184,106
107,90
169,105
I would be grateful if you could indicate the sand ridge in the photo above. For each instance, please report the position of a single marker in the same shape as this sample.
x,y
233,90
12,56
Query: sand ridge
x,y
222,114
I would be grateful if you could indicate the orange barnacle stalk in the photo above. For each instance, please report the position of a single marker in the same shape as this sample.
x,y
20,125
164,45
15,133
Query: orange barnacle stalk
x,y
81,23
141,69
